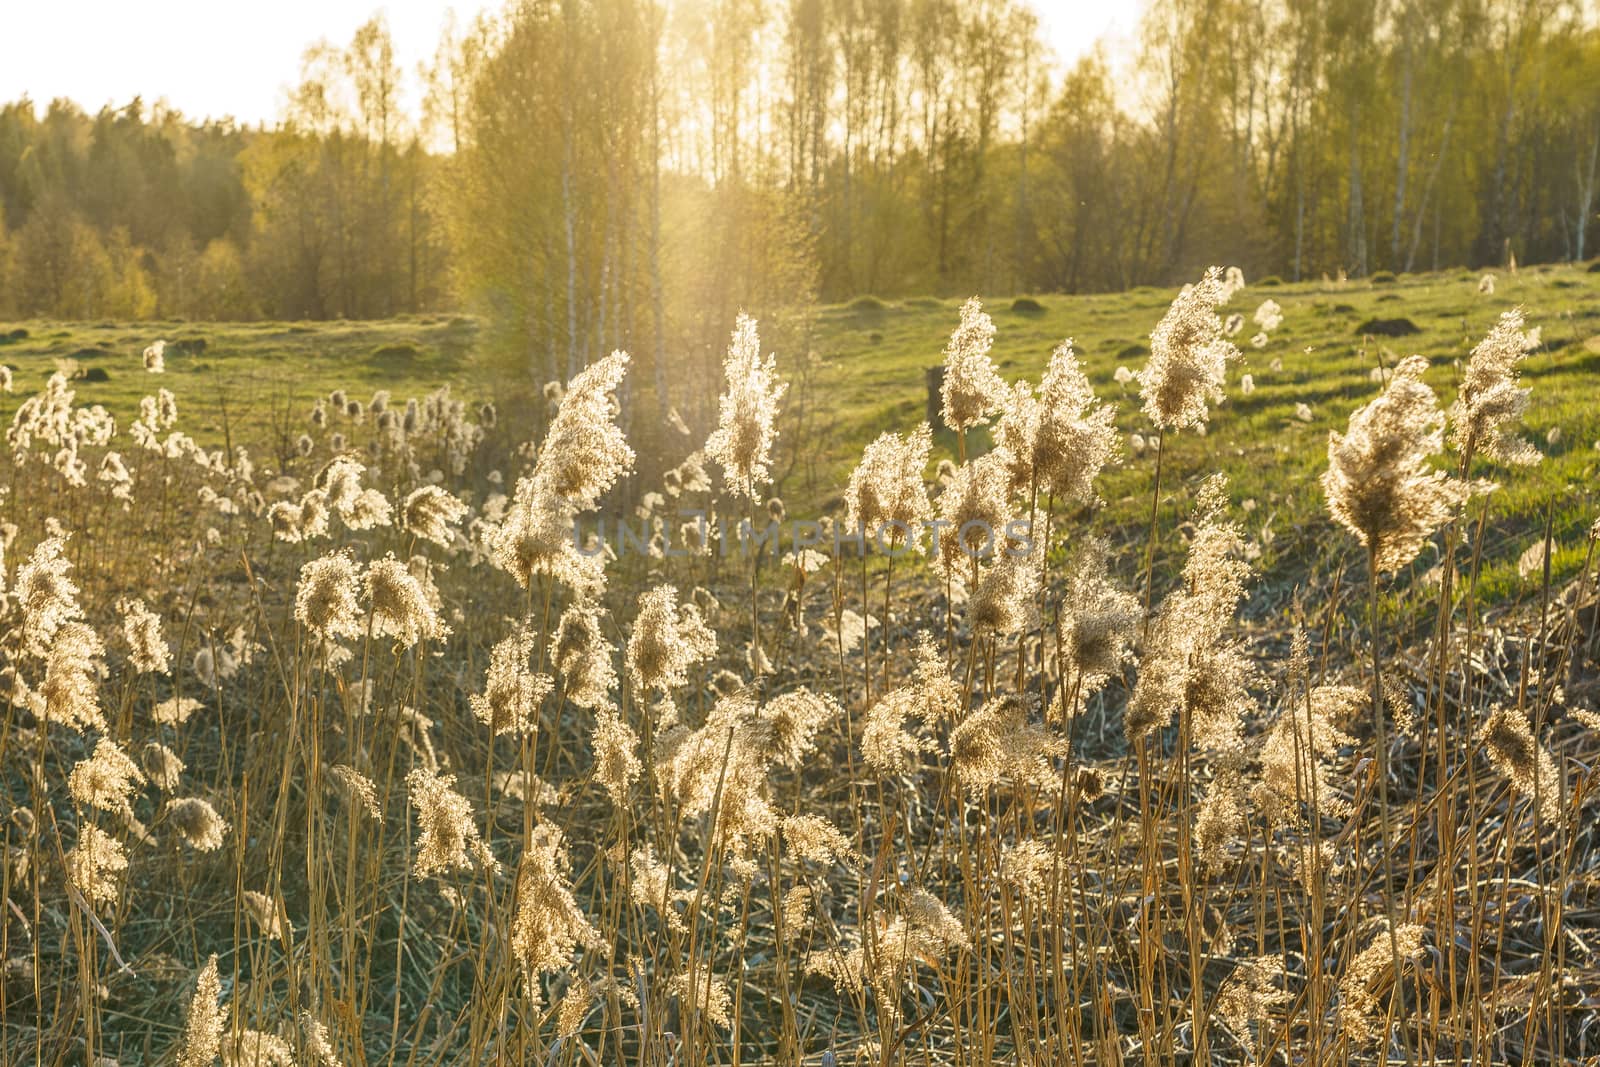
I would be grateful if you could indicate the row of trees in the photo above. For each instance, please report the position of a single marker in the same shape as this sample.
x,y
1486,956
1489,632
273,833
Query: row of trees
x,y
620,175
609,172
137,212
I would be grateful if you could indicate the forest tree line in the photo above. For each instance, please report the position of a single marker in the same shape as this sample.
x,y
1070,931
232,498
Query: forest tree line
x,y
597,174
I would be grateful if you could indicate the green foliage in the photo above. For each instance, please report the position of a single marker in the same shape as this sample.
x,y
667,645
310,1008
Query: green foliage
x,y
136,212
600,182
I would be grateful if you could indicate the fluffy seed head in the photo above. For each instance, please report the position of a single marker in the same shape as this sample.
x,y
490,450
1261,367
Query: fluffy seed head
x,y
162,766
1193,660
703,992
325,601
536,538
400,605
888,746
585,452
512,692
1379,483
997,743
95,865
1517,754
1097,622
1075,436
356,788
549,925
1189,356
70,692
747,426
198,823
1296,758
1492,396
667,640
973,511
47,597
616,767
367,510
265,912
317,1042
1220,823
175,711
430,513
147,648
572,1010
207,1018
814,838
784,729
1360,1013
886,488
972,389
448,840
1004,601
582,655
106,780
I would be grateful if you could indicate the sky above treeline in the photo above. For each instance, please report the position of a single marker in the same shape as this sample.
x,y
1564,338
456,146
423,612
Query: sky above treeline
x,y
220,59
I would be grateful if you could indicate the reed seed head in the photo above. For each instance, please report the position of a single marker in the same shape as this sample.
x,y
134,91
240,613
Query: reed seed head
x,y
972,389
747,426
1492,397
431,513
198,823
512,692
582,656
886,491
95,865
448,840
1379,483
667,640
549,926
400,604
585,452
206,1020
325,600
1189,356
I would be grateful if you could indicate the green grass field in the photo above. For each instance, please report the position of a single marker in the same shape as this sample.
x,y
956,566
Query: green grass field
x,y
246,382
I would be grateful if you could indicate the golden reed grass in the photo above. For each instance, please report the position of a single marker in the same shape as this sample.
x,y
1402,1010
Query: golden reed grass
x,y
389,755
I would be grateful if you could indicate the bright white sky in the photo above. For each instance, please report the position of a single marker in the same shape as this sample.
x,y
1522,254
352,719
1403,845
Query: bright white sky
x,y
210,58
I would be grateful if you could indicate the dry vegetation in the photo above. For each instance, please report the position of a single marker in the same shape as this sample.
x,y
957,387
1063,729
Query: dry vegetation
x,y
369,759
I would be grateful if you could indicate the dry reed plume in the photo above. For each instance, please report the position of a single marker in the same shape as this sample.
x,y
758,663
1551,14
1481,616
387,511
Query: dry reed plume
x,y
388,753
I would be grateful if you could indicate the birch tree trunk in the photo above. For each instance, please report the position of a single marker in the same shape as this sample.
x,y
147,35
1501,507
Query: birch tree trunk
x,y
1586,184
1402,164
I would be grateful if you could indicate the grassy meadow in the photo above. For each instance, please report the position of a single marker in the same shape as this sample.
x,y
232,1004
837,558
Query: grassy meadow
x,y
325,743
251,383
